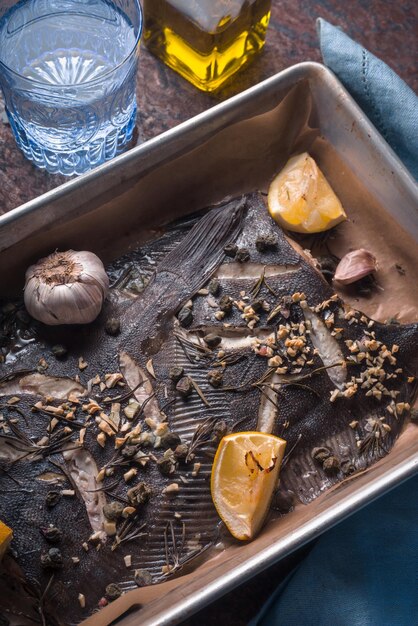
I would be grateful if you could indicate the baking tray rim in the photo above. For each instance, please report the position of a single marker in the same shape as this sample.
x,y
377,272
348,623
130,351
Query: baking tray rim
x,y
348,504
291,75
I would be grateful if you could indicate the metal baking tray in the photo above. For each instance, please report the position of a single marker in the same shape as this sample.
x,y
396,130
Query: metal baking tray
x,y
233,147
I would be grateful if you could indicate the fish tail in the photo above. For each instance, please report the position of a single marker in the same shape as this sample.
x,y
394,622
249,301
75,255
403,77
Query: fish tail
x,y
198,255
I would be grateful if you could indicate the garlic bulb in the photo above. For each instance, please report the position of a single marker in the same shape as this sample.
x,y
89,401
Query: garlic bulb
x,y
355,265
66,288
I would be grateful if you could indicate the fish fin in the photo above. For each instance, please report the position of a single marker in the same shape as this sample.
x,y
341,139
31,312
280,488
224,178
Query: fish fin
x,y
198,255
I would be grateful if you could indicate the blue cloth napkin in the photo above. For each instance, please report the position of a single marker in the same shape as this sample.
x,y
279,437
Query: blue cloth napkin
x,y
386,99
364,572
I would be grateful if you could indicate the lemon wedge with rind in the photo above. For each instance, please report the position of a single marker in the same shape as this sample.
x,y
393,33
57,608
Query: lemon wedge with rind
x,y
244,474
301,199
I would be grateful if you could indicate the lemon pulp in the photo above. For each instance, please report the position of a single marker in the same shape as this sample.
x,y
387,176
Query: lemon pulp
x,y
301,199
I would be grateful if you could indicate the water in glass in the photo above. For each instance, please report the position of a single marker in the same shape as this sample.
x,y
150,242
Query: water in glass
x,y
67,68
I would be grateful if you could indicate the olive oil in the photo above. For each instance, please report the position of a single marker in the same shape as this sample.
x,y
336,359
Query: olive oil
x,y
206,41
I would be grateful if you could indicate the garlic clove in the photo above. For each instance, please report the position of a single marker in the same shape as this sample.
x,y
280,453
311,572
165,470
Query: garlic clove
x,y
354,266
66,288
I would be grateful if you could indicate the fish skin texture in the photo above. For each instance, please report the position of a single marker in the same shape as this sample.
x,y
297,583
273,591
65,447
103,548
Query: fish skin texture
x,y
305,417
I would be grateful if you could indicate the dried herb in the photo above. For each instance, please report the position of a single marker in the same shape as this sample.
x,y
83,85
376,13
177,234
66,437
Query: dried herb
x,y
199,392
193,351
201,436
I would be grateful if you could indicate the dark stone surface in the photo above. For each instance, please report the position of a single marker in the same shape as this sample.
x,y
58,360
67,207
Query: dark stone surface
x,y
387,29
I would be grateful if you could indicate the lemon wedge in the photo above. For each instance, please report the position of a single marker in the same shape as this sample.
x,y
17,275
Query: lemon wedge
x,y
5,538
301,199
244,475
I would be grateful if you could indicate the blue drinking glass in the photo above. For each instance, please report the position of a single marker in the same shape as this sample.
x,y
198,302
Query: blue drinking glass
x,y
68,75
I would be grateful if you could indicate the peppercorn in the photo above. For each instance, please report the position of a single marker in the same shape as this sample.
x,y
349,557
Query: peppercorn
x,y
170,440
242,255
212,340
181,451
215,378
175,373
185,317
128,452
231,249
320,454
225,304
140,494
219,430
113,511
166,466
142,578
331,464
52,534
59,351
214,286
184,387
52,559
113,592
265,242
52,498
112,326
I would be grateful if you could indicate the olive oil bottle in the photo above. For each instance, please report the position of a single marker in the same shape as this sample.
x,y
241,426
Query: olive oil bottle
x,y
206,41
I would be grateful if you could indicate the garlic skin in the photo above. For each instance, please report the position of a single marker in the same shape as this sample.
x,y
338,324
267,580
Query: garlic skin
x,y
354,266
66,288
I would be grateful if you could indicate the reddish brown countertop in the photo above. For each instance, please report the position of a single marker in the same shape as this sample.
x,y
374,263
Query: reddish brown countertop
x,y
387,29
